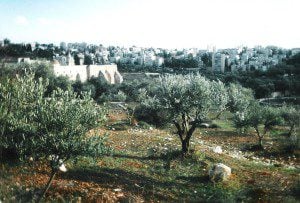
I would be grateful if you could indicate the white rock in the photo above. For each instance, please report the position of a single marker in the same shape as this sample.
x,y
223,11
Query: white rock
x,y
219,172
168,139
117,190
204,125
217,150
62,168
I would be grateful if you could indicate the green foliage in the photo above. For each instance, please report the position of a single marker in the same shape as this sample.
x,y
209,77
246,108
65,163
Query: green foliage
x,y
181,63
220,96
54,128
186,99
88,87
88,60
132,88
64,121
152,116
294,60
255,116
207,59
120,96
40,69
100,87
291,116
180,94
38,126
240,98
19,100
60,82
112,97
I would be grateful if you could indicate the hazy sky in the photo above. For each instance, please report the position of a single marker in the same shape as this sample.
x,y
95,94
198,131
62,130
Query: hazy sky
x,y
153,23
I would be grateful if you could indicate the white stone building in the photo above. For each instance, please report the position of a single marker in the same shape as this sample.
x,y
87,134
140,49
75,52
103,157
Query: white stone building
x,y
84,72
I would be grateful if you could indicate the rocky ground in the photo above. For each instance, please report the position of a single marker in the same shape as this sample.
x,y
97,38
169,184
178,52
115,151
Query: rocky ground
x,y
146,166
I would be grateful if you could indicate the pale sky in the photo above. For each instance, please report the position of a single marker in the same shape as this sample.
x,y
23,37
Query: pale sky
x,y
153,23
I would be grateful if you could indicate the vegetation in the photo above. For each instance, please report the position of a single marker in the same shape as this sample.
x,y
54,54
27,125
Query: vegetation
x,y
146,166
51,122
291,116
54,128
266,116
188,100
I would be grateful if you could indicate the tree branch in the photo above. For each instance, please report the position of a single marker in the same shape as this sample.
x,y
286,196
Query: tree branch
x,y
179,132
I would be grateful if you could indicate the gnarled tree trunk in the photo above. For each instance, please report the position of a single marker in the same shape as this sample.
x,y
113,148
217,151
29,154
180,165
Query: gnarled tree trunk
x,y
185,131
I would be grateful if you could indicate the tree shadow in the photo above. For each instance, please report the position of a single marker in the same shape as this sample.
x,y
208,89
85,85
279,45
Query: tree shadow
x,y
167,156
127,181
228,133
194,179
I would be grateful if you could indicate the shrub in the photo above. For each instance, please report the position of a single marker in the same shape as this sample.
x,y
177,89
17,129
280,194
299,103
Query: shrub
x,y
151,116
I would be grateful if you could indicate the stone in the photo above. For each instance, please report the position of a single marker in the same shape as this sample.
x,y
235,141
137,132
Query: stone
x,y
219,172
217,150
204,125
168,139
62,168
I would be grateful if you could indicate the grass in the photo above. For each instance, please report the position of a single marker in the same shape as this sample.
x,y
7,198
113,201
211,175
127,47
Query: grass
x,y
146,165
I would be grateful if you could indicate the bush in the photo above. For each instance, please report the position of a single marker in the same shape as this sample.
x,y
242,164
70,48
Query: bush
x,y
119,97
151,116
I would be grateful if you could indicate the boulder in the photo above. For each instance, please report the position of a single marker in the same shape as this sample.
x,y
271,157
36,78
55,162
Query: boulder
x,y
219,172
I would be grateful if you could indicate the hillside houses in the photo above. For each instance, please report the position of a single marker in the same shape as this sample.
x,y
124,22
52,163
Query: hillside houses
x,y
217,60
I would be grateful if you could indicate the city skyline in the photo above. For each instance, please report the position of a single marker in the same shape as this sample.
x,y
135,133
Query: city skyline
x,y
165,24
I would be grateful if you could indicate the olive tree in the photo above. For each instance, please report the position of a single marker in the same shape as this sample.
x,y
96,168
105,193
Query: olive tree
x,y
220,97
18,100
291,116
63,123
240,100
262,119
187,99
53,128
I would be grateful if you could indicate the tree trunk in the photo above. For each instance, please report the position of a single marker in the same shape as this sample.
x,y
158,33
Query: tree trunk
x,y
185,146
260,137
53,173
185,133
291,131
260,142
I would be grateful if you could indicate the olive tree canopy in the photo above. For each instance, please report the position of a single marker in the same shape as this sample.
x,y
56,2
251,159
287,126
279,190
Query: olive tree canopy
x,y
188,99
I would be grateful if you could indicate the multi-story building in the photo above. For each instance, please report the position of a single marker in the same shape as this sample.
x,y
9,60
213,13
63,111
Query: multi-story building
x,y
218,62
